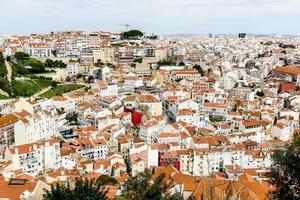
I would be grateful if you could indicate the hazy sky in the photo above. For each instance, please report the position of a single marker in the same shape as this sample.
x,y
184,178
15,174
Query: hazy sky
x,y
158,16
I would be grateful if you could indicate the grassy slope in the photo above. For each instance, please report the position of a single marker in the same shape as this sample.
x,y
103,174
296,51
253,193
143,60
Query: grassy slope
x,y
61,89
3,97
29,87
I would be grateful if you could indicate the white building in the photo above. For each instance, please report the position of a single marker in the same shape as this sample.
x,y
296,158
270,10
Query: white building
x,y
38,50
34,158
73,68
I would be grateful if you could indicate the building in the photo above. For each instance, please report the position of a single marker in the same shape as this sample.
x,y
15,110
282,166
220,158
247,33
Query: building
x,y
34,158
38,50
86,57
242,35
288,73
72,68
132,82
7,129
152,104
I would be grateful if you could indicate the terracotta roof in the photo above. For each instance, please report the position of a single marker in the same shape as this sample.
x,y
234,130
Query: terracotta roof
x,y
8,119
293,70
25,148
13,192
147,99
251,122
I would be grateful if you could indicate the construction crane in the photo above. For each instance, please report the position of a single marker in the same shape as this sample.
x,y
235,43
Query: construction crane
x,y
126,26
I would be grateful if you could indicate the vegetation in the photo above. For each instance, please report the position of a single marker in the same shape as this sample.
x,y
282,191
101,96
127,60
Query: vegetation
x,y
138,60
55,64
36,66
181,63
61,89
144,109
83,189
285,46
286,172
21,56
141,187
168,61
132,34
72,118
3,97
260,93
4,83
152,37
199,69
28,87
3,71
18,69
23,60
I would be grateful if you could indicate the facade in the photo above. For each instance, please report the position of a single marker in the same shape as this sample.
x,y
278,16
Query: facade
x,y
7,130
34,158
38,50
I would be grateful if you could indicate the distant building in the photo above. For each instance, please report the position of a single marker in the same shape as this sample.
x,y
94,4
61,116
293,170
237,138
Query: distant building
x,y
149,52
38,50
86,57
72,68
242,35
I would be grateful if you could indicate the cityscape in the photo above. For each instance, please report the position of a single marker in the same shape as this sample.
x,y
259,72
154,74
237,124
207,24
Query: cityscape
x,y
141,114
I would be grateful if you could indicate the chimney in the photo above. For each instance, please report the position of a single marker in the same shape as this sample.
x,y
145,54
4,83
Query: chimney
x,y
17,151
34,147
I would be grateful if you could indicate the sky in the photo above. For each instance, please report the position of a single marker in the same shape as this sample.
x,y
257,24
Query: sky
x,y
151,16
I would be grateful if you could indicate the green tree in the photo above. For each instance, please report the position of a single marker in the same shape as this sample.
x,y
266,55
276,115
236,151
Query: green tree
x,y
181,63
106,180
83,189
138,60
260,93
72,118
49,63
286,172
132,34
54,84
21,56
141,187
199,69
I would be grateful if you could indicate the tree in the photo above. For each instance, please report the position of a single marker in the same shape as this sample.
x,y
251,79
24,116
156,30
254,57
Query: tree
x,y
144,109
168,61
21,56
260,93
286,172
55,64
138,60
199,69
90,79
99,63
83,189
141,187
72,118
181,63
132,34
106,180
54,84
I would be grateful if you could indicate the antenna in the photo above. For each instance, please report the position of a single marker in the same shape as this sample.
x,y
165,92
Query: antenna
x,y
126,26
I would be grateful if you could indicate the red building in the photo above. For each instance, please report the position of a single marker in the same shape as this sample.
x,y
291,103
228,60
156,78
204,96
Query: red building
x,y
136,117
288,87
